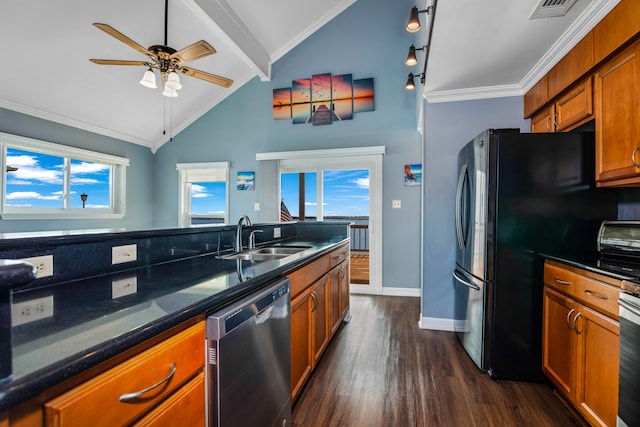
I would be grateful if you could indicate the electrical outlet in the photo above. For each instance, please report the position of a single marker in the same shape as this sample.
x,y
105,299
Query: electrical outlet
x,y
124,287
276,232
32,310
125,253
396,204
43,264
256,206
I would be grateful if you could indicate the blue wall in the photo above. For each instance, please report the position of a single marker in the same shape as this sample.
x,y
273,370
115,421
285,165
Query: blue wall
x,y
366,40
447,128
139,202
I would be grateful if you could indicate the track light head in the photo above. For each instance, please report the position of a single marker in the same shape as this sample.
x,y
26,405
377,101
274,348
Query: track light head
x,y
410,83
413,25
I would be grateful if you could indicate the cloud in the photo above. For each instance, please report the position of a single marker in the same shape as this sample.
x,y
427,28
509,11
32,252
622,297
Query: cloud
x,y
21,161
75,180
20,195
362,182
97,206
88,167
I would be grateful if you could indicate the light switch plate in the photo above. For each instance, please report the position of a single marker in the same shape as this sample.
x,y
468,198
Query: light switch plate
x,y
256,206
124,253
276,232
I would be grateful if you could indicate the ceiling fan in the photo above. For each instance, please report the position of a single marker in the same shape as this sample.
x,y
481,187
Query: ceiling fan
x,y
165,59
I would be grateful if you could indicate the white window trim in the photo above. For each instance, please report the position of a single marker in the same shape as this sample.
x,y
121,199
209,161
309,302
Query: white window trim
x,y
184,191
117,184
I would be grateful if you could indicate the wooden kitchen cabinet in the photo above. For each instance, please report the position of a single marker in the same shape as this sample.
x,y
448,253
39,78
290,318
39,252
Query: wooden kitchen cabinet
x,y
318,297
186,407
581,339
97,402
617,106
615,29
570,110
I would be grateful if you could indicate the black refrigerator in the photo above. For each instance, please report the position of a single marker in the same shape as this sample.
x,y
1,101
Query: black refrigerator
x,y
519,195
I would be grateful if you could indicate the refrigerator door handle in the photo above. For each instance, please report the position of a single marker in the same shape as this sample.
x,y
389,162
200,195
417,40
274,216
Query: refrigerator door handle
x,y
457,277
461,179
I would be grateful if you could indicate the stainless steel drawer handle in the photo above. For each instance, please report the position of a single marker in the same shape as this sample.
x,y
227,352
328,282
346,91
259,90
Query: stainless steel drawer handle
x,y
561,282
132,396
575,327
568,317
593,294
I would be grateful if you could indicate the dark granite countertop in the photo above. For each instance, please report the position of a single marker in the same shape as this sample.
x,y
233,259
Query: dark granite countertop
x,y
99,317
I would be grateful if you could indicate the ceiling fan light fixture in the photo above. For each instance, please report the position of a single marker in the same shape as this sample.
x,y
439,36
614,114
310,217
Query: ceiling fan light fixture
x,y
169,93
149,79
173,81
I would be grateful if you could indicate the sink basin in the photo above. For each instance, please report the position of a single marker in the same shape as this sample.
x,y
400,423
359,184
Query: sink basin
x,y
264,254
285,250
253,256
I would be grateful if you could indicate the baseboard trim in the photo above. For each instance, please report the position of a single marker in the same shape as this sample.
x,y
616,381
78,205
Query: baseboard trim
x,y
387,292
436,324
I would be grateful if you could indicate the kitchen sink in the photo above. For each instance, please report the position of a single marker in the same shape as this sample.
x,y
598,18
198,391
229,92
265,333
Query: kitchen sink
x,y
284,250
267,253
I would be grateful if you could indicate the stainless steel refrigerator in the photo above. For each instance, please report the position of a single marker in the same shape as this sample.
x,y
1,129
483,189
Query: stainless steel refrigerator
x,y
519,195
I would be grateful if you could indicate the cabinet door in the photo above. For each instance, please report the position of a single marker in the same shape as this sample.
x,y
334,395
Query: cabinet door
x,y
617,92
335,308
344,289
558,340
301,355
320,319
544,120
598,353
575,107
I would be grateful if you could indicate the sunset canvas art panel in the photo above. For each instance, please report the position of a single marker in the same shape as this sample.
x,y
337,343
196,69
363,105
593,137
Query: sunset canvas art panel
x,y
282,104
342,96
301,100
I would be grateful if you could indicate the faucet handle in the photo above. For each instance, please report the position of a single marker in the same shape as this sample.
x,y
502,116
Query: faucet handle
x,y
252,239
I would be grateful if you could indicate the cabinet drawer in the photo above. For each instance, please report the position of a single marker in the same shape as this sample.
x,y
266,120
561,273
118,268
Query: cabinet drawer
x,y
599,296
186,407
97,402
337,256
305,276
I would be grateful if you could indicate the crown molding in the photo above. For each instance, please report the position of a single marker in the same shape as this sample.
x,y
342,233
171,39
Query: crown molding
x,y
588,19
472,93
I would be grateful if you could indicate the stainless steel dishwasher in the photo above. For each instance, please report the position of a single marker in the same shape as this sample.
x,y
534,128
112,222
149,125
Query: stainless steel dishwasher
x,y
248,370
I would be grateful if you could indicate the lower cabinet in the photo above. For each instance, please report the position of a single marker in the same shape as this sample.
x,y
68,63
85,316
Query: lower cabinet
x,y
319,303
581,342
163,383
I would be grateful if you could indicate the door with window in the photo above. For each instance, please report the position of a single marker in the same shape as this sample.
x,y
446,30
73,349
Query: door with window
x,y
340,189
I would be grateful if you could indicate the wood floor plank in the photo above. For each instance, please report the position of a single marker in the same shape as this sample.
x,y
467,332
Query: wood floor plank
x,y
383,370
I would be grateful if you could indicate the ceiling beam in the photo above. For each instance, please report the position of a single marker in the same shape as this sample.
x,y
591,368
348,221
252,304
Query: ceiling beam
x,y
222,16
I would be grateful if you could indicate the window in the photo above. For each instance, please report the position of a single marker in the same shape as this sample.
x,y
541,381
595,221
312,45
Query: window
x,y
43,180
204,193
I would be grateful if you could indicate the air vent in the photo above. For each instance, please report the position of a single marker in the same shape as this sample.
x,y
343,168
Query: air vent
x,y
551,8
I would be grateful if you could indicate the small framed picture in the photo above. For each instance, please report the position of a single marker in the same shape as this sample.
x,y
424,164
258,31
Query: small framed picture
x,y
413,174
246,181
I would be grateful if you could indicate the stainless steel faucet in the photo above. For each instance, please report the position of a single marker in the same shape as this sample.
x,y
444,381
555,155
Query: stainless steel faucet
x,y
238,243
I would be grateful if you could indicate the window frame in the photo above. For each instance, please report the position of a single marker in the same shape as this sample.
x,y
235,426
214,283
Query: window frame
x,y
117,181
185,171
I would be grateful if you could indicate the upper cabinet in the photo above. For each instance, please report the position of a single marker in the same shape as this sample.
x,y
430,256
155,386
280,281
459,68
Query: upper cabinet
x,y
617,98
599,78
615,29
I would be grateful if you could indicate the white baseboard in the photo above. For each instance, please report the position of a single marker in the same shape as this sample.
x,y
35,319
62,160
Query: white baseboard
x,y
387,292
436,324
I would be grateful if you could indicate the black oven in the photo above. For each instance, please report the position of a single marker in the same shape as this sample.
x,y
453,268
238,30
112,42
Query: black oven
x,y
629,384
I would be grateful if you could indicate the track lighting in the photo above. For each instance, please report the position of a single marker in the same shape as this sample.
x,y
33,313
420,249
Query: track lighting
x,y
411,85
411,57
413,25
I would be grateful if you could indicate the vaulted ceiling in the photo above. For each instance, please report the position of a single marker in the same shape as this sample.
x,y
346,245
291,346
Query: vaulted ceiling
x,y
478,49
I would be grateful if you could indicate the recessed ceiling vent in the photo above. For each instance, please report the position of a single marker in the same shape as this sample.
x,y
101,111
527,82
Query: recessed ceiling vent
x,y
551,8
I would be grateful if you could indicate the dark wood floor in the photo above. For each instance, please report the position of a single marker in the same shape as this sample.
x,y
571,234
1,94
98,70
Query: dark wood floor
x,y
383,370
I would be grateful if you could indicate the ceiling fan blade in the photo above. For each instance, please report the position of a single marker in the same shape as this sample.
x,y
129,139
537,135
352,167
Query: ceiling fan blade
x,y
211,78
124,39
117,62
192,52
